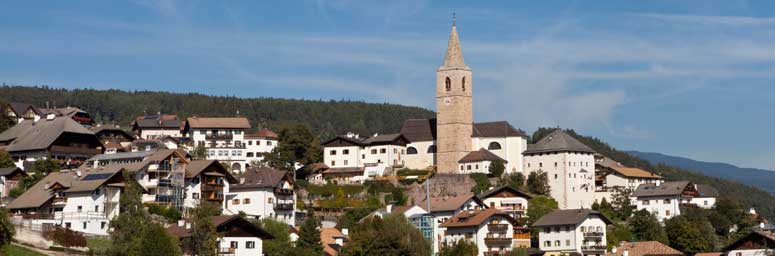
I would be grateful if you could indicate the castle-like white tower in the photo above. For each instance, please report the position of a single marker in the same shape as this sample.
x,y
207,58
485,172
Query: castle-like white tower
x,y
454,114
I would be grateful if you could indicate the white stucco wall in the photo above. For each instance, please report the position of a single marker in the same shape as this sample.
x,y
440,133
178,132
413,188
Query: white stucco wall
x,y
241,249
570,186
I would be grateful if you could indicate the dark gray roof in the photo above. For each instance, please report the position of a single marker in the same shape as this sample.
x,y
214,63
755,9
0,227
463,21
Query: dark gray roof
x,y
490,192
260,177
496,129
568,217
558,141
672,188
419,129
10,170
480,155
30,135
122,155
156,121
383,139
707,190
18,108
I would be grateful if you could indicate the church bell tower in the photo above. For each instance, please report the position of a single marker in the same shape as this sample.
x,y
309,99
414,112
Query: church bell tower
x,y
454,117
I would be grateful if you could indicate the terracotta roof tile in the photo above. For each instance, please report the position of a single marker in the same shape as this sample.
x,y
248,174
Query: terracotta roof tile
x,y
218,122
645,248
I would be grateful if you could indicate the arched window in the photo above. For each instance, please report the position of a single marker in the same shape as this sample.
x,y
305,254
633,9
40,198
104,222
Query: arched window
x,y
494,145
464,83
448,84
411,151
432,149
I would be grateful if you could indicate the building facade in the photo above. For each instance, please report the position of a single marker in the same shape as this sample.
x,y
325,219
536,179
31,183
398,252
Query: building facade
x,y
563,232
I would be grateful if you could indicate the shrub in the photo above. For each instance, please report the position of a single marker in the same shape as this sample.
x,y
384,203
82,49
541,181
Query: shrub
x,y
65,237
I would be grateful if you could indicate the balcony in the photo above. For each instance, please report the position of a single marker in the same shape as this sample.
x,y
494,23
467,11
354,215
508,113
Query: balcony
x,y
594,234
74,150
215,197
283,191
522,235
59,201
497,241
597,247
512,208
227,136
226,251
497,253
497,227
284,207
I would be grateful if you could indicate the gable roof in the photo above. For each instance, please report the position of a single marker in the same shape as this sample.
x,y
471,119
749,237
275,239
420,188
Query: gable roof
x,y
31,135
624,170
328,239
644,248
93,178
261,177
496,129
263,133
474,218
39,194
19,108
196,167
568,217
558,141
707,190
218,122
157,121
755,236
419,129
447,203
11,170
383,139
223,223
480,155
492,192
671,188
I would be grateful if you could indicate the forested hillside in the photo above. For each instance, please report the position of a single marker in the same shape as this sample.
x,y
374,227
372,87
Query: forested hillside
x,y
328,118
749,196
760,178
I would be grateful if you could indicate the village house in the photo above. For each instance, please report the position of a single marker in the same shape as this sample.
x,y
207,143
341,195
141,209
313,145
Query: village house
x,y
333,240
612,177
757,243
223,139
262,192
258,144
157,126
643,248
572,231
514,203
665,200
443,208
84,200
490,229
58,137
205,180
112,137
479,161
236,236
379,151
10,177
24,111
569,166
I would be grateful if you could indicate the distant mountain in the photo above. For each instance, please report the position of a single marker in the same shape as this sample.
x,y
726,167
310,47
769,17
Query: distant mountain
x,y
760,178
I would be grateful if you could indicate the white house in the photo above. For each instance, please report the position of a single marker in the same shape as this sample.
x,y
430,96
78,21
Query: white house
x,y
562,232
443,208
258,144
513,203
157,126
478,161
206,180
83,200
262,192
570,168
757,243
613,175
706,198
222,137
665,200
491,230
236,236
386,150
10,177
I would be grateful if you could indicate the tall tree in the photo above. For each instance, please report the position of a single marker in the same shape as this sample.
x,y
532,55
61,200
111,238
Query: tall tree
x,y
497,168
156,241
646,227
128,225
621,203
309,237
5,159
281,244
482,182
538,183
687,236
459,248
297,144
6,228
45,166
204,237
5,120
540,206
515,180
393,235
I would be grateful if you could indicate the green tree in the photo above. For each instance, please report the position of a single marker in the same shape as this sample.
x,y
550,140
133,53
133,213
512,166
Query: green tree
x,y
621,204
351,217
45,166
281,244
204,236
296,144
199,153
604,207
482,182
646,227
686,236
309,237
393,235
128,225
459,248
617,233
538,183
156,241
6,228
5,159
515,180
540,206
5,120
497,168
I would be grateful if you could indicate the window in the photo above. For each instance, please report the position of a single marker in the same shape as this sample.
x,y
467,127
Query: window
x,y
667,212
84,225
67,224
464,84
270,200
540,165
195,195
203,132
250,143
96,208
374,151
468,167
411,151
246,201
250,154
645,202
556,242
345,152
667,201
103,224
432,149
448,84
333,163
333,152
461,167
555,164
582,229
235,202
234,244
705,202
494,146
555,176
250,244
268,143
382,150
567,242
548,243
80,208
345,162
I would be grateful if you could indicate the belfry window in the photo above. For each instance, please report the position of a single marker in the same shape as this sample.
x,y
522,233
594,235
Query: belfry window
x,y
448,84
464,83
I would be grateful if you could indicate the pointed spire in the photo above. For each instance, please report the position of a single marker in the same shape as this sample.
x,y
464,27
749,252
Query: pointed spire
x,y
454,56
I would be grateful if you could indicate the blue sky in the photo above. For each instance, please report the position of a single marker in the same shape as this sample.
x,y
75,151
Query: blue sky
x,y
689,78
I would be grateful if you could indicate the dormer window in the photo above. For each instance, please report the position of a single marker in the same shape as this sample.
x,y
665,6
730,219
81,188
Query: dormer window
x,y
448,84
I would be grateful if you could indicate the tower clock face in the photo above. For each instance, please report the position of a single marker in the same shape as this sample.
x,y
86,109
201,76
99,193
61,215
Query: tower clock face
x,y
447,101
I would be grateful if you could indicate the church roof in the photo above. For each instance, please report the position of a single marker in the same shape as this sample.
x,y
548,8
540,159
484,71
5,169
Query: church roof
x,y
454,56
419,129
558,141
496,129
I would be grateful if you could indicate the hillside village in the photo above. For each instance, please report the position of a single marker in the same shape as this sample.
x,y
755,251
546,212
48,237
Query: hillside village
x,y
464,187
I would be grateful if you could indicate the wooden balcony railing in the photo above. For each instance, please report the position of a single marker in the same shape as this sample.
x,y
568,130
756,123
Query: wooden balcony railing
x,y
497,240
227,136
593,248
497,253
593,234
283,191
227,250
522,235
284,207
497,227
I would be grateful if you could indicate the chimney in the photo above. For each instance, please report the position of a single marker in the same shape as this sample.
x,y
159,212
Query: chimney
x,y
345,232
50,116
188,225
181,223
